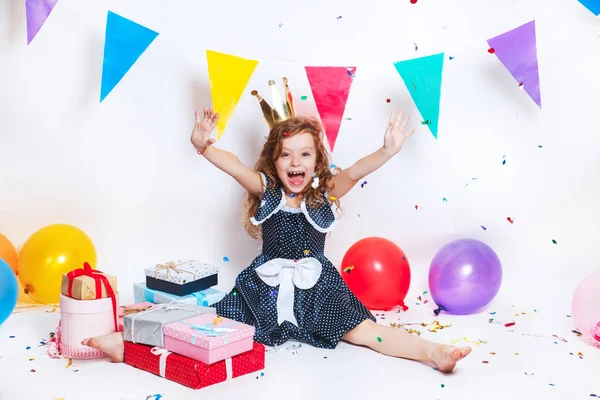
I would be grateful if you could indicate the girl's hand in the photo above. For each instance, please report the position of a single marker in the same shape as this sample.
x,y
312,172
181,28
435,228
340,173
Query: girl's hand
x,y
204,126
395,136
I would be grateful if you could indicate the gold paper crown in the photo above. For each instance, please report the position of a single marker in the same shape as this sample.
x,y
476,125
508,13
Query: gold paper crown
x,y
282,109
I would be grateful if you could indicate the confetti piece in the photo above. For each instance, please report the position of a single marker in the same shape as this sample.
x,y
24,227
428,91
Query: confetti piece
x,y
517,354
483,227
413,1
379,339
332,198
493,353
554,241
485,362
568,316
509,324
53,309
292,194
451,58
262,374
509,219
280,24
491,50
28,347
416,46
576,332
69,363
12,337
348,269
426,122
75,370
551,384
303,97
332,166
388,100
443,386
540,146
217,320
363,184
350,72
225,259
340,17
306,252
493,313
348,119
445,200
464,338
521,85
416,207
529,374
32,359
503,160
234,293
32,370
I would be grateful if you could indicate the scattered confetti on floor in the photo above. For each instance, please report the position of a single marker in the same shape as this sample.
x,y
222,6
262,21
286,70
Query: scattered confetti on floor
x,y
451,58
554,241
509,219
464,338
362,185
303,97
388,100
445,200
225,259
483,227
491,50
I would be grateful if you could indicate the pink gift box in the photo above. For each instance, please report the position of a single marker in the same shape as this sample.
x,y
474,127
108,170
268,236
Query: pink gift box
x,y
80,319
199,338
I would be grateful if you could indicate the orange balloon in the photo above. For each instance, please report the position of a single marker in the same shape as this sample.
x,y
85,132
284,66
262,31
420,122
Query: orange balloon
x,y
8,253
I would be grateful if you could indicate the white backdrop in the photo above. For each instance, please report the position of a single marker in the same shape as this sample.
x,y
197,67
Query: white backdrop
x,y
124,170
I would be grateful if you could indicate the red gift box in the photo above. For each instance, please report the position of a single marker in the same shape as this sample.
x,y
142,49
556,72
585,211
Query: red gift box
x,y
189,372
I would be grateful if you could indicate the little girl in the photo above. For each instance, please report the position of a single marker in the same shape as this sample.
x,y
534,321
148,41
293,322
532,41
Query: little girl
x,y
291,290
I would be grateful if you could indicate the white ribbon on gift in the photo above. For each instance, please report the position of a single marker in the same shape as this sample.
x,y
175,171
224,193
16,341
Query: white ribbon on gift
x,y
302,273
229,368
163,353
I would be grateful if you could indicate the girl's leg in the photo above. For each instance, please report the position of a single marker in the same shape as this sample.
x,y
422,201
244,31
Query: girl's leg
x,y
112,345
398,343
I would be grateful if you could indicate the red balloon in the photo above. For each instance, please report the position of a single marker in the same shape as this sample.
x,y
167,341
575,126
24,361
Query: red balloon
x,y
377,272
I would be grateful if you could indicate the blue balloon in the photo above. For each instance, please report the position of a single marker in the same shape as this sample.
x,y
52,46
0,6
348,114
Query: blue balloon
x,y
9,291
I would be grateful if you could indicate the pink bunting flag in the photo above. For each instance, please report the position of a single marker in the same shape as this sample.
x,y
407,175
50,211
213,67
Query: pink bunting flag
x,y
517,50
37,11
330,87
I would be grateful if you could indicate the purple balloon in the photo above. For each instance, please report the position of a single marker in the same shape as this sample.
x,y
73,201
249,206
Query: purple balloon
x,y
464,276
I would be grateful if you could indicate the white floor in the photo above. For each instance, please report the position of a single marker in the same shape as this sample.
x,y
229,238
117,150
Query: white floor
x,y
520,365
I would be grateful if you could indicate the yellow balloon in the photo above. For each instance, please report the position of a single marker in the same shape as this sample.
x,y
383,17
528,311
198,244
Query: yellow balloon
x,y
48,254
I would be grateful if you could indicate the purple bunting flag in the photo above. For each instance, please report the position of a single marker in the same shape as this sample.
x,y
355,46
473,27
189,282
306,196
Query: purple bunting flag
x,y
37,11
517,50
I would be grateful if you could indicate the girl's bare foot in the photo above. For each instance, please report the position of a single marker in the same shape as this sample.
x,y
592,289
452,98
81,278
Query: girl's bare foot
x,y
445,357
112,345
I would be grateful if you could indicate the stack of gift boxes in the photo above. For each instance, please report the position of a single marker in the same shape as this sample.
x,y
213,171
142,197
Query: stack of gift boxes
x,y
187,282
186,341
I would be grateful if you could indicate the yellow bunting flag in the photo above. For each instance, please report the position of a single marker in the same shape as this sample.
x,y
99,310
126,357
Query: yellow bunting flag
x,y
228,76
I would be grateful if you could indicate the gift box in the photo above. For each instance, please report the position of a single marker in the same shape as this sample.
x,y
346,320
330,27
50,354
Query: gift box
x,y
193,373
131,309
146,327
208,338
88,284
80,319
182,277
206,297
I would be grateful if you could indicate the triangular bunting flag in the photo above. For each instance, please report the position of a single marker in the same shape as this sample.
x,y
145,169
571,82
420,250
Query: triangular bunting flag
x,y
592,5
330,87
517,50
423,79
37,11
228,77
124,43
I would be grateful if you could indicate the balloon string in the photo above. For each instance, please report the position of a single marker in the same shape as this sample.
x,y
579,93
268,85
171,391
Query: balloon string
x,y
54,306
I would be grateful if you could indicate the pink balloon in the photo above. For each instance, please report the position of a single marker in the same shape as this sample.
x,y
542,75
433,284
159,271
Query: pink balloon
x,y
586,309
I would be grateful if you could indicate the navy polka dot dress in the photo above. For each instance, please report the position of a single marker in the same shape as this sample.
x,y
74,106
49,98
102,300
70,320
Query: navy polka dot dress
x,y
323,312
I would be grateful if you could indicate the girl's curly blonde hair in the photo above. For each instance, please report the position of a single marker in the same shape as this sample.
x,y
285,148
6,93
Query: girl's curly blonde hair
x,y
271,151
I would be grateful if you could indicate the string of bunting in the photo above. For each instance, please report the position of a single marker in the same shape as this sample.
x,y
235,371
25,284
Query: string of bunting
x,y
126,41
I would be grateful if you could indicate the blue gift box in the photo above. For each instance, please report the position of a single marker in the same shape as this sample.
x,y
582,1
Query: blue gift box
x,y
206,297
